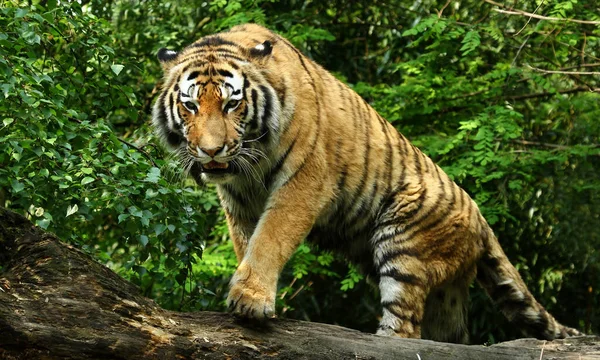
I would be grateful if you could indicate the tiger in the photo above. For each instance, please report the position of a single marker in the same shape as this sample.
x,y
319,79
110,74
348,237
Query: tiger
x,y
295,154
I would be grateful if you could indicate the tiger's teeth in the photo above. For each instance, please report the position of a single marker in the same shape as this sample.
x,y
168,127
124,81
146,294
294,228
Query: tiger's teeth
x,y
216,165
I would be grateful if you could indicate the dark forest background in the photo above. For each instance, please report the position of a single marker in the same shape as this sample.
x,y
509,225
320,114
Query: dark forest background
x,y
505,96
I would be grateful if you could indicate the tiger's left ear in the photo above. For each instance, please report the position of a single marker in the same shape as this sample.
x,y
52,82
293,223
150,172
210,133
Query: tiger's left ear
x,y
262,50
166,56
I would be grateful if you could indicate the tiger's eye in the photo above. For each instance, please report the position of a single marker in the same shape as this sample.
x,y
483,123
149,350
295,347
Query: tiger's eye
x,y
190,106
232,105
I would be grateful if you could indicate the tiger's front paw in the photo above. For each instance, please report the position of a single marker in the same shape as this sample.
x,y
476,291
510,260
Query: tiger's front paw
x,y
250,297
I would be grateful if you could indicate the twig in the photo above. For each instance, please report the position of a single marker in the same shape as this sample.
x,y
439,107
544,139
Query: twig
x,y
140,150
519,52
580,66
439,13
528,20
583,49
555,146
300,289
564,72
537,95
529,96
525,13
543,346
290,285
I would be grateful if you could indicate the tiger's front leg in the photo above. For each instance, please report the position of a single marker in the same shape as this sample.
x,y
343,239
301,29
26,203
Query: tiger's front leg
x,y
289,216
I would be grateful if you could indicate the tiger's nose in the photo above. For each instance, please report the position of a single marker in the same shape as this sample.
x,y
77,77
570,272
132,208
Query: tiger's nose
x,y
212,152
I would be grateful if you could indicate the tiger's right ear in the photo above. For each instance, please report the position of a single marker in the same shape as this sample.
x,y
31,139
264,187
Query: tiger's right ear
x,y
166,56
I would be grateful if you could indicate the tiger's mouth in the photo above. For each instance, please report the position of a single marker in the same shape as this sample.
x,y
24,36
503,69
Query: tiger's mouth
x,y
215,168
213,165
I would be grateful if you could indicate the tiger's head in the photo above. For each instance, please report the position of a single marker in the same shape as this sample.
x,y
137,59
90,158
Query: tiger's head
x,y
214,103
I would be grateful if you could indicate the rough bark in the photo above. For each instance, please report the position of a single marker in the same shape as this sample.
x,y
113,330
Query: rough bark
x,y
56,303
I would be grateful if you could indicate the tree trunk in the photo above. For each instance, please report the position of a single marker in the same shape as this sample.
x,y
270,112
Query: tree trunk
x,y
56,303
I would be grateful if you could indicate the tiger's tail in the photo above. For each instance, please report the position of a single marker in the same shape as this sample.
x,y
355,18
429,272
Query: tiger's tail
x,y
505,286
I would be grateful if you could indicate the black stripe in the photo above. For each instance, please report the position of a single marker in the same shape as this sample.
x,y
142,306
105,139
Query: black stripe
x,y
281,92
537,328
201,58
174,139
404,278
213,51
162,116
389,307
388,159
491,262
425,160
268,108
194,75
461,198
244,113
254,122
224,72
213,41
246,83
396,253
179,126
438,219
419,201
403,144
499,292
365,170
277,167
367,205
171,111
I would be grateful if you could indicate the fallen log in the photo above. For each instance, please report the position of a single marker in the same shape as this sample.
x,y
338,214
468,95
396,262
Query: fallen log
x,y
57,302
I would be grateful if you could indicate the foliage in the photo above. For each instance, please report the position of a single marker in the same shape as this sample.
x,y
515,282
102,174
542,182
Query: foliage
x,y
473,87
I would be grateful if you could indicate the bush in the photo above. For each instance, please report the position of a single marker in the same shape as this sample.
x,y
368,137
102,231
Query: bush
x,y
490,97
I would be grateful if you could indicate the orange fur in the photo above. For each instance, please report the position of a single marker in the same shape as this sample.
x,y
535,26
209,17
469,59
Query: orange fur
x,y
306,157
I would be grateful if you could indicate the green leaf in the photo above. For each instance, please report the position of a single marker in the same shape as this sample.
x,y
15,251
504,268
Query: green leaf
x,y
159,229
153,175
17,186
21,13
133,210
470,42
117,69
43,223
72,209
86,180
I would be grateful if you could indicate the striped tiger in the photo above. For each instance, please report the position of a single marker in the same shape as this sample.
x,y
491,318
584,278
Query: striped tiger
x,y
296,154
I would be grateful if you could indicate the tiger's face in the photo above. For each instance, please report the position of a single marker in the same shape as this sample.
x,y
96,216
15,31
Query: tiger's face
x,y
211,109
215,110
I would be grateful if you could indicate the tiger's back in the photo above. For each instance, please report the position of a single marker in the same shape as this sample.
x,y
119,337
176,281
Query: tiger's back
x,y
297,154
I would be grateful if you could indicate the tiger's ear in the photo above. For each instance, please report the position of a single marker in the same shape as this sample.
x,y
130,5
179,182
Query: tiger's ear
x,y
262,50
166,57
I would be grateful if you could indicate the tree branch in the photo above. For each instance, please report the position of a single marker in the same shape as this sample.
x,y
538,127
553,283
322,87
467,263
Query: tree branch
x,y
140,150
564,72
537,95
525,13
555,146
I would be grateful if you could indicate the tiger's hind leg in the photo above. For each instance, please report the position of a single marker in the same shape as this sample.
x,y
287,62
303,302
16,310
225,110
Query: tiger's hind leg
x,y
403,298
421,244
446,311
